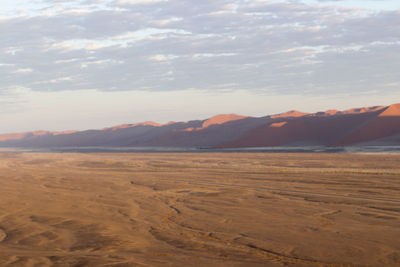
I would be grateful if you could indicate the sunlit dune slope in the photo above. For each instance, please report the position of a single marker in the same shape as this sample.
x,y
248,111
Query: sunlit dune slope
x,y
368,125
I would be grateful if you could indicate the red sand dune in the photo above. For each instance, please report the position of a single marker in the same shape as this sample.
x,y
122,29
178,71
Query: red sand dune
x,y
64,132
221,119
325,128
216,120
123,126
393,110
12,136
332,112
363,110
278,124
293,128
387,123
16,136
292,113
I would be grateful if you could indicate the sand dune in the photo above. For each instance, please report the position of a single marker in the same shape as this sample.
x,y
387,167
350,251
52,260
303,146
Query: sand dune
x,y
221,119
386,124
292,113
199,210
329,128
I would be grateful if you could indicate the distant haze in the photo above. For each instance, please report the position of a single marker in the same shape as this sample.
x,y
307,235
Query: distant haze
x,y
79,64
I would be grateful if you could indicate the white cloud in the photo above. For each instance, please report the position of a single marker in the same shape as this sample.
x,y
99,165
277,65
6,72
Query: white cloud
x,y
138,2
57,80
22,71
61,61
86,64
122,40
162,57
13,50
276,47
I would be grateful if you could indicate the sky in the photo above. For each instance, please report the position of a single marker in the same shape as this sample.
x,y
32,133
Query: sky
x,y
87,64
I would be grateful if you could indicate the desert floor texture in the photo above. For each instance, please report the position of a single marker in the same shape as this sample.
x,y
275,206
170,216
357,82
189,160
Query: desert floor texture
x,y
215,209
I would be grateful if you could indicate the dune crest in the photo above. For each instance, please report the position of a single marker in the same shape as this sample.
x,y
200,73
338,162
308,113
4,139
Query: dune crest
x,y
64,132
292,113
220,119
385,124
392,110
332,112
363,110
215,120
358,126
16,136
124,126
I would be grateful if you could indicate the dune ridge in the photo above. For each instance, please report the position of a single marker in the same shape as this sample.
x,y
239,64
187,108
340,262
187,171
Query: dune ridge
x,y
292,113
357,126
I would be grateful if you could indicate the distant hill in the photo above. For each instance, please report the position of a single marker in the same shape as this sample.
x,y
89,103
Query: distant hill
x,y
378,125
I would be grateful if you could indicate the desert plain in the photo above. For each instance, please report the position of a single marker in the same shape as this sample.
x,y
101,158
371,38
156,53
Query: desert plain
x,y
201,209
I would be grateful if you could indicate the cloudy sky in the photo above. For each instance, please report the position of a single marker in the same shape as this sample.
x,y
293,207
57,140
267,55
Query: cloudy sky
x,y
81,64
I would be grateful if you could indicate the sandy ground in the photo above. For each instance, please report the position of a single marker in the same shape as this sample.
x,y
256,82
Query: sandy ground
x,y
199,210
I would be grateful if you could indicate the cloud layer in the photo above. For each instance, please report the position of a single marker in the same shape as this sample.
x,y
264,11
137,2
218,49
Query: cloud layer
x,y
260,46
272,46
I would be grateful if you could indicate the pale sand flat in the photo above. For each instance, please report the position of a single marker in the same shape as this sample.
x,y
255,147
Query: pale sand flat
x,y
199,209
